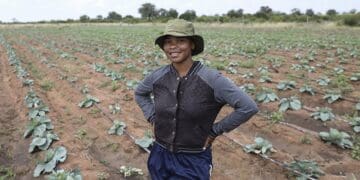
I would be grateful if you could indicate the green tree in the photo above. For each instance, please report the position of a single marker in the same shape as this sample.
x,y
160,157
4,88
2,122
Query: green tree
x,y
235,13
188,15
114,16
163,12
84,18
148,11
172,13
309,12
352,11
99,17
265,12
331,12
296,12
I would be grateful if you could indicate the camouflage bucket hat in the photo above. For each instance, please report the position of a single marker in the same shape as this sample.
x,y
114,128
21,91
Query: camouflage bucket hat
x,y
181,28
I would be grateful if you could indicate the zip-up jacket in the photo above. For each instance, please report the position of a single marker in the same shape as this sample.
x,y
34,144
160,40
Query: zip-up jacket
x,y
184,109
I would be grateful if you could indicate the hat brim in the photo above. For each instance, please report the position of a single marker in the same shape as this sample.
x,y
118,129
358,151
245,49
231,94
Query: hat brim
x,y
196,39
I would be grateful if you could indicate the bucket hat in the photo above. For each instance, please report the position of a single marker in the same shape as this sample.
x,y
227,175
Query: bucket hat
x,y
181,28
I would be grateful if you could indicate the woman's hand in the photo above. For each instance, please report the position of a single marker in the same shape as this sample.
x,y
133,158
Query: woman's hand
x,y
209,141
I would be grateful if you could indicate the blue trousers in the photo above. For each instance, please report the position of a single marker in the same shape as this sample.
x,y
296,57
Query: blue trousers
x,y
165,165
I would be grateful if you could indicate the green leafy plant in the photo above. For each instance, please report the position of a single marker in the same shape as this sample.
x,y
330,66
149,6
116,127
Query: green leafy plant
x,y
32,100
38,126
265,78
38,111
115,108
324,114
114,75
307,89
285,85
355,123
266,95
261,146
43,141
248,75
276,117
309,69
132,84
130,171
145,141
99,67
306,167
85,89
338,70
296,67
332,96
355,77
28,82
292,103
88,101
339,138
263,69
65,175
248,88
117,128
231,70
53,156
323,81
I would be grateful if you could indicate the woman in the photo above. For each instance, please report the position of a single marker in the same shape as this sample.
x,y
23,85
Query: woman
x,y
187,98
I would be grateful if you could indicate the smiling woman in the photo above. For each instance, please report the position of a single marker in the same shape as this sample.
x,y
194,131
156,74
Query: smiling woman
x,y
178,51
187,98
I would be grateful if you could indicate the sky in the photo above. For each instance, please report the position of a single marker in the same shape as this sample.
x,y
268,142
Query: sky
x,y
37,10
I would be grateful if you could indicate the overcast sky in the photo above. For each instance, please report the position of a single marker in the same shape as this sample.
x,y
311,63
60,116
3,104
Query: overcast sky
x,y
36,10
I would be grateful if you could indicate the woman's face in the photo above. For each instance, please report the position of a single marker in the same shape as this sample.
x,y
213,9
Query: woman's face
x,y
178,49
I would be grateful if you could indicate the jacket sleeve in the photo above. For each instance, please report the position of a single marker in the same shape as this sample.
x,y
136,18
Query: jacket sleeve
x,y
143,97
244,107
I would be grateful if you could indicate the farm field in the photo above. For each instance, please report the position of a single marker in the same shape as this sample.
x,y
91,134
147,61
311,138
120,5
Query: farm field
x,y
63,64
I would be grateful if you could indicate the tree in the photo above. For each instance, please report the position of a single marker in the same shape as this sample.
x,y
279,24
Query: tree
x,y
162,12
147,11
99,17
188,15
296,12
352,11
235,14
84,18
310,12
173,13
264,12
331,12
114,16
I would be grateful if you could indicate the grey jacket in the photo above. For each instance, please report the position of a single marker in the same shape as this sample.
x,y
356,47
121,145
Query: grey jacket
x,y
184,108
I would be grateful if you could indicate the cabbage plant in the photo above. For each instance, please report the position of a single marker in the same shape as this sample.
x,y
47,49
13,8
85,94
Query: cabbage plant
x,y
341,139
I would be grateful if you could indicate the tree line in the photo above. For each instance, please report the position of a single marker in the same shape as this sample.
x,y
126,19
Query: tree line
x,y
149,13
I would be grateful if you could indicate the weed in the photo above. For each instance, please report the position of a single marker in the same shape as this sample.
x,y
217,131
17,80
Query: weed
x,y
105,84
35,71
355,153
249,64
342,82
114,86
81,134
6,173
276,117
47,85
305,139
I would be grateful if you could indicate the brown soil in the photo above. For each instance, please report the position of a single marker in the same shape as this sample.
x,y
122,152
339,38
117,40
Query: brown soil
x,y
84,131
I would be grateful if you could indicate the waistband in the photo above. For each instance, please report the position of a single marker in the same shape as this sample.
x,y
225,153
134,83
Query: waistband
x,y
177,149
